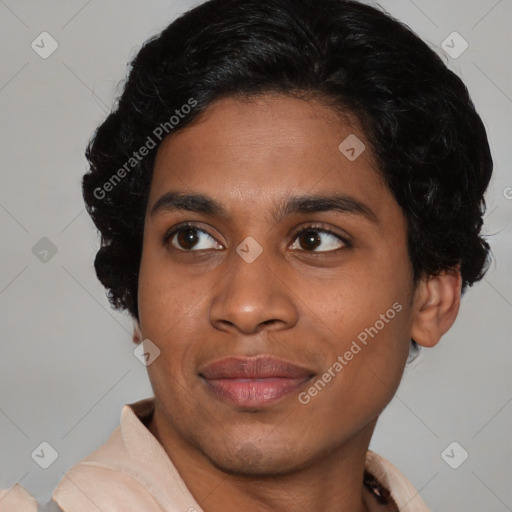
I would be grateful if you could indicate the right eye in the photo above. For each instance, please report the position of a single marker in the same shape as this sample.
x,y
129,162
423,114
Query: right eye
x,y
190,238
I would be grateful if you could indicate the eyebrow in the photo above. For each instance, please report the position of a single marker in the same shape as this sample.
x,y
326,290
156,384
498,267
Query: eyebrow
x,y
200,203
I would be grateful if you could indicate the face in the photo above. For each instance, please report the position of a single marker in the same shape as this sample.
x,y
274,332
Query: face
x,y
294,256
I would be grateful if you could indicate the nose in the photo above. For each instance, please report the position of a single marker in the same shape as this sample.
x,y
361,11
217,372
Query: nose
x,y
253,297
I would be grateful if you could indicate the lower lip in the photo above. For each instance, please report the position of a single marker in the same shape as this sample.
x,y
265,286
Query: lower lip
x,y
254,392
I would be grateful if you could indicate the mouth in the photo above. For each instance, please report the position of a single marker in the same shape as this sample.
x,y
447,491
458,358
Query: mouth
x,y
254,382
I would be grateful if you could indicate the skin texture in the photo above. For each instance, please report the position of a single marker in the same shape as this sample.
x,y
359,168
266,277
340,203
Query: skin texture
x,y
303,305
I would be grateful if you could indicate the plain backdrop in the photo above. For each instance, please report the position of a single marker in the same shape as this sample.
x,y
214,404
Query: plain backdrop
x,y
67,363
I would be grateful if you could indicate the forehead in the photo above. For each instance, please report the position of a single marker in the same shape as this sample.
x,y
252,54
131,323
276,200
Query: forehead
x,y
258,150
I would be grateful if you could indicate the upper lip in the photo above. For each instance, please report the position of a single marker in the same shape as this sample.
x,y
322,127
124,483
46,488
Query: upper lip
x,y
259,367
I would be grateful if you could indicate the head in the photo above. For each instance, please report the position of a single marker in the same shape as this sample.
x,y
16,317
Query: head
x,y
341,144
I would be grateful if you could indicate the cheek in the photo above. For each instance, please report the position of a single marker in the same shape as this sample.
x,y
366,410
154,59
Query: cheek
x,y
355,299
369,370
164,299
168,312
173,310
166,281
368,317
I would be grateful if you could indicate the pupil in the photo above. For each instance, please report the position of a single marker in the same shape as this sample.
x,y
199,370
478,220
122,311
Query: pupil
x,y
187,238
312,240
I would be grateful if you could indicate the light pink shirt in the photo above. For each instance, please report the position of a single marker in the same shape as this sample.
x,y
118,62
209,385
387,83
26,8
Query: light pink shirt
x,y
132,472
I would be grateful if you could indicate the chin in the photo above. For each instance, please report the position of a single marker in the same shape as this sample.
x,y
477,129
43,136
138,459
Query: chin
x,y
250,460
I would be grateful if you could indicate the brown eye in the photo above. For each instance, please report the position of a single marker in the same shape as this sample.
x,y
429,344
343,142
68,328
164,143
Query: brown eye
x,y
190,238
187,238
309,239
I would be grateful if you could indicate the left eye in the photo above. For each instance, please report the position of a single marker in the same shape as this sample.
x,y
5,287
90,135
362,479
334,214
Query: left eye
x,y
310,239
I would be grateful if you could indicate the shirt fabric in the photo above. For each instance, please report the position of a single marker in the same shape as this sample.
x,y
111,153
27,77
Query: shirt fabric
x,y
131,472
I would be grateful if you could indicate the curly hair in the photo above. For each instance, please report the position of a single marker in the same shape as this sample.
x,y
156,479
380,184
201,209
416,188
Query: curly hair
x,y
430,144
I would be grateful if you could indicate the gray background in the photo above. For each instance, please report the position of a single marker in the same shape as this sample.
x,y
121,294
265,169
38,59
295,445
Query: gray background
x,y
66,363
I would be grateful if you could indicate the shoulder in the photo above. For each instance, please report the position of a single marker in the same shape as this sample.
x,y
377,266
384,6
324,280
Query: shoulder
x,y
17,499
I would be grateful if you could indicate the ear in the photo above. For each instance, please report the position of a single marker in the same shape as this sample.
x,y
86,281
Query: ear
x,y
436,305
137,335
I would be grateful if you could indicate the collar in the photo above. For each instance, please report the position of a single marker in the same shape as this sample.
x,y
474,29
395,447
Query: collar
x,y
132,469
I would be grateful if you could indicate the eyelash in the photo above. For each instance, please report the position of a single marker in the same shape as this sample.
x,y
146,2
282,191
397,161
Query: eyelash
x,y
312,227
322,229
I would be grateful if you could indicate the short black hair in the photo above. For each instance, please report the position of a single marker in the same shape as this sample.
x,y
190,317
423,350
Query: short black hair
x,y
430,144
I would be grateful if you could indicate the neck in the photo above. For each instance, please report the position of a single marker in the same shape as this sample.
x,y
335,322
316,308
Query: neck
x,y
333,482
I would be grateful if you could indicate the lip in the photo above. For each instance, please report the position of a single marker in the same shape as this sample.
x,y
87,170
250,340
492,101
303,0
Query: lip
x,y
255,381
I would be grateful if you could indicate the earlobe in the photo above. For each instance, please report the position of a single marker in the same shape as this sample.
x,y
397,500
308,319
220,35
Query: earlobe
x,y
436,305
137,335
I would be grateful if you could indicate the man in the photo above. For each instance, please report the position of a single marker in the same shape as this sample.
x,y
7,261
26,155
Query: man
x,y
290,198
